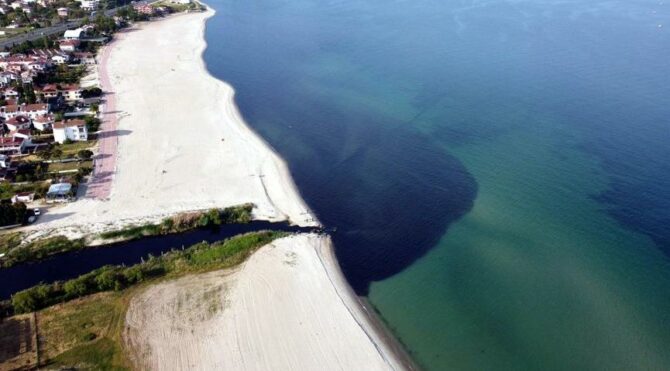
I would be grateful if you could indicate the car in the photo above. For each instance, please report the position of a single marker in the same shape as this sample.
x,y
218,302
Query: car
x,y
37,211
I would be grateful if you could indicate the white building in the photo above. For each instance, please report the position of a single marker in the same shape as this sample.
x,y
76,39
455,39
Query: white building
x,y
44,122
30,110
74,130
180,1
89,4
18,122
59,59
73,34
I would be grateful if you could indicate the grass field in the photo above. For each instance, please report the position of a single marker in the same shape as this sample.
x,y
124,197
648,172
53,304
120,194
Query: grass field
x,y
85,333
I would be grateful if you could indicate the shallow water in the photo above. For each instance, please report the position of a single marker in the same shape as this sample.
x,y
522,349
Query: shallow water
x,y
498,171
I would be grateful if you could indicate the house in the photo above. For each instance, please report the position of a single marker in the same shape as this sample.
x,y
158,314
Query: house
x,y
43,122
62,12
23,134
69,45
71,92
74,130
60,59
24,197
18,122
7,78
73,34
59,192
11,145
30,110
143,8
89,4
48,91
85,57
10,93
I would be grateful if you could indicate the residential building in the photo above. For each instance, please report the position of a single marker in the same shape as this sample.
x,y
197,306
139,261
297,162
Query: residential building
x,y
143,8
73,34
85,57
43,122
24,197
18,122
30,110
74,130
69,45
89,4
62,12
71,92
11,145
59,192
60,59
22,134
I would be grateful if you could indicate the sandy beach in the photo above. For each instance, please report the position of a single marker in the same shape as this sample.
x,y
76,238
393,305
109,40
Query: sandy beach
x,y
286,308
173,140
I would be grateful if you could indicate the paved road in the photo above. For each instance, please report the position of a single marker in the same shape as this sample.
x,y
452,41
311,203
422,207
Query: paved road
x,y
47,31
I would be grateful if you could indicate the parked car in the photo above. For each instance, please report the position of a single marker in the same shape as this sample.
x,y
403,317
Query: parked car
x,y
37,211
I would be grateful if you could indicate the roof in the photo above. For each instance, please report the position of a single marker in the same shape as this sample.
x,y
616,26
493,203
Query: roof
x,y
43,118
60,188
18,120
69,123
10,142
26,107
73,33
25,132
69,42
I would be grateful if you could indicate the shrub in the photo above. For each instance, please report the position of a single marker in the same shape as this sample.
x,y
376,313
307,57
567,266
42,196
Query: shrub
x,y
85,154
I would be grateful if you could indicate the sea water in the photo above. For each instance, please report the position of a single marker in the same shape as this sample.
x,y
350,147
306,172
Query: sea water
x,y
498,171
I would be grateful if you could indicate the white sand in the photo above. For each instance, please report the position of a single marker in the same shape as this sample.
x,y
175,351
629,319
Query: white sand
x,y
182,143
284,309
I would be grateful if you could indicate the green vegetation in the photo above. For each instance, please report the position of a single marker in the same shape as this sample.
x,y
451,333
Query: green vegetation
x,y
15,253
92,124
36,250
186,221
85,333
201,257
9,241
12,213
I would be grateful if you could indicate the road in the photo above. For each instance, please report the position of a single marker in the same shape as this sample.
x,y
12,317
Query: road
x,y
47,31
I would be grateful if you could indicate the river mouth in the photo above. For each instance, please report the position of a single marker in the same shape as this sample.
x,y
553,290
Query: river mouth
x,y
72,264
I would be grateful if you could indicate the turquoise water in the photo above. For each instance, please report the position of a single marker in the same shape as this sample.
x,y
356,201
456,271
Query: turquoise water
x,y
498,171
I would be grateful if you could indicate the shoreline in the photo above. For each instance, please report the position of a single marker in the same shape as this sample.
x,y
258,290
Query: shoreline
x,y
254,172
382,338
315,323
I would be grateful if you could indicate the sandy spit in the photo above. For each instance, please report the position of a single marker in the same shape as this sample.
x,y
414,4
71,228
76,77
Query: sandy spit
x,y
284,309
182,143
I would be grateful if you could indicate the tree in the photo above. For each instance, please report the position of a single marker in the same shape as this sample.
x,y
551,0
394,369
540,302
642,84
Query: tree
x,y
75,288
85,154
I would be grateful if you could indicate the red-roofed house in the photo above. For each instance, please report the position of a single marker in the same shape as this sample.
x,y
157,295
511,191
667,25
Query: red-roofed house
x,y
30,110
18,122
43,122
11,145
69,45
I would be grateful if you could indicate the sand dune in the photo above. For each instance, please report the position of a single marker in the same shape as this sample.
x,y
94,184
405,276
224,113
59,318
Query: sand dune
x,y
284,309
